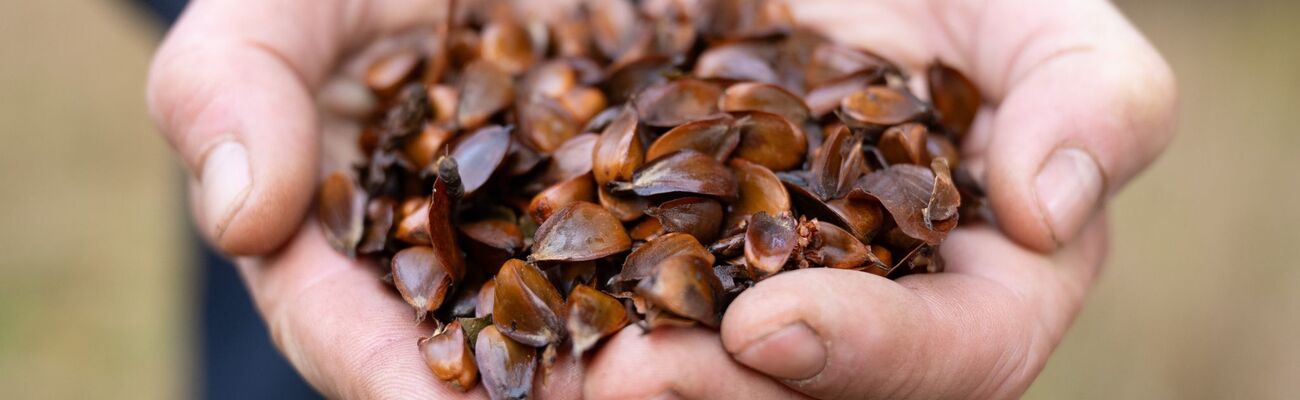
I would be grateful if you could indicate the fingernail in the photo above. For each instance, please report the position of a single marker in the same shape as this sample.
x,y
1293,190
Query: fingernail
x,y
224,184
1069,188
792,352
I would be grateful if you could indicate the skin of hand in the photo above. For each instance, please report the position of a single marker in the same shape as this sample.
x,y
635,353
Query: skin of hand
x,y
1077,103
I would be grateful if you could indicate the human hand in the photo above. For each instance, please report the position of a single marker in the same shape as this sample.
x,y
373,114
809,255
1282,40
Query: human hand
x,y
1077,103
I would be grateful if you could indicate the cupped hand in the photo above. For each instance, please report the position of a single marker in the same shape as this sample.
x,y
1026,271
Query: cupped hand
x,y
1076,103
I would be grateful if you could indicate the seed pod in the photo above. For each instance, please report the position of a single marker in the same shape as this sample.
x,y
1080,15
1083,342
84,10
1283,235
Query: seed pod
x,y
390,72
507,44
341,208
520,159
507,366
737,62
825,98
592,315
831,62
422,278
685,286
641,262
614,26
905,144
697,216
447,190
480,154
443,99
579,188
628,79
683,172
485,89
938,146
583,103
860,215
498,231
414,228
944,198
749,19
448,355
625,207
955,98
717,136
755,96
770,140
769,242
882,106
526,306
551,79
578,232
760,191
648,228
619,150
677,102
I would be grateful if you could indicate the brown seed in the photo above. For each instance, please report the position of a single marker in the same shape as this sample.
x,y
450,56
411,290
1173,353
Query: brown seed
x,y
486,299
592,315
859,215
837,164
628,79
905,144
715,135
583,103
485,89
422,278
578,232
769,242
677,102
619,150
686,286
387,75
955,98
414,225
839,249
526,306
614,26
760,191
507,44
551,79
379,222
770,140
443,99
448,355
571,159
737,62
447,190
823,99
648,228
755,96
683,172
831,62
881,106
520,158
480,154
579,188
944,198
700,217
625,207
425,148
905,191
496,232
640,264
938,146
507,366
341,210
545,123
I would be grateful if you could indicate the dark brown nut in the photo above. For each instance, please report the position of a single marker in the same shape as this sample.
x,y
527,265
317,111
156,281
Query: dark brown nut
x,y
755,96
769,243
390,72
882,106
700,217
717,135
619,150
685,286
905,144
480,154
640,264
837,165
579,188
422,277
379,224
592,315
677,102
759,191
507,366
578,232
770,140
341,210
905,191
955,97
737,62
507,44
485,89
448,355
526,306
486,299
683,172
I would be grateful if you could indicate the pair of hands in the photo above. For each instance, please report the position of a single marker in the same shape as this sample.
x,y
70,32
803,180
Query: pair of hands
x,y
1077,104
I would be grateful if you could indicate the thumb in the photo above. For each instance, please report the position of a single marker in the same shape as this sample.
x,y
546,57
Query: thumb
x,y
1087,106
231,89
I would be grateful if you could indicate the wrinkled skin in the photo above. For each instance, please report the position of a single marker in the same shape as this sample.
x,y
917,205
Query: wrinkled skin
x,y
233,86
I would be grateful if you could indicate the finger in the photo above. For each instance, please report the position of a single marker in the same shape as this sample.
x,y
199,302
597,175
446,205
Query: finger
x,y
982,330
673,363
231,89
347,332
1083,103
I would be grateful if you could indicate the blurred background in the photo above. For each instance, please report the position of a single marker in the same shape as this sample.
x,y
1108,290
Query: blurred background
x,y
99,284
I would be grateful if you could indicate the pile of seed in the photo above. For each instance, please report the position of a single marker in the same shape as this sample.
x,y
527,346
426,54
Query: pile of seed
x,y
537,187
